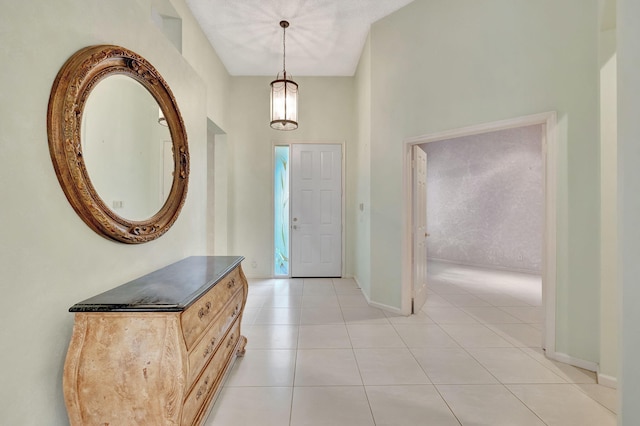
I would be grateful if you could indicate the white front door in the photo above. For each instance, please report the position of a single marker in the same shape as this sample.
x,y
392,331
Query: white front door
x,y
316,210
419,191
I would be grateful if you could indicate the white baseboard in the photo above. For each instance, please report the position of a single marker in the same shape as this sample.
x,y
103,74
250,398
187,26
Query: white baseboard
x,y
355,278
261,277
384,307
608,381
576,362
482,266
387,308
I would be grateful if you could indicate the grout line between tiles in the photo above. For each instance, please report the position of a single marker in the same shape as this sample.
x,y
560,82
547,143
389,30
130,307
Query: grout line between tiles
x,y
345,324
523,403
577,385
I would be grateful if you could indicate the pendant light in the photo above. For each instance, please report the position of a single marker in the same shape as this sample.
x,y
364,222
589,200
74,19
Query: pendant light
x,y
284,95
161,118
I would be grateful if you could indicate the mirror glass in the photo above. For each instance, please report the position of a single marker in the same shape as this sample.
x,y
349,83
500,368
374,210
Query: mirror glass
x,y
127,151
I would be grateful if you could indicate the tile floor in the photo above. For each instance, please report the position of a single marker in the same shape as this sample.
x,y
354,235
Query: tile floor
x,y
319,355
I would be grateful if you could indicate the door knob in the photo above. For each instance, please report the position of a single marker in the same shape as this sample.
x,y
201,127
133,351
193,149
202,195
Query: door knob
x,y
295,227
426,234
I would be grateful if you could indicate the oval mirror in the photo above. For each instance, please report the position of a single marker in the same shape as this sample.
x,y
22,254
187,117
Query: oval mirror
x,y
118,144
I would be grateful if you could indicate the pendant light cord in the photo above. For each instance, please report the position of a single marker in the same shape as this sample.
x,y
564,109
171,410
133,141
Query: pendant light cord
x,y
284,50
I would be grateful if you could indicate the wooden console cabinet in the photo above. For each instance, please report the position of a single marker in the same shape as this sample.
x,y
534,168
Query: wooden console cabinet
x,y
154,351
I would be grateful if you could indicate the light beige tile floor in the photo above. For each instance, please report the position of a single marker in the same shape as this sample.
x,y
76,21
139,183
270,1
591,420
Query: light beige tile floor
x,y
319,355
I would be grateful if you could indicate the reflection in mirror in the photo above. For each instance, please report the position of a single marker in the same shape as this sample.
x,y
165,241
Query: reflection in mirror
x,y
127,153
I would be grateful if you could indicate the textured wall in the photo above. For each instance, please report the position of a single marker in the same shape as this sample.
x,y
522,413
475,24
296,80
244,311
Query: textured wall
x,y
485,200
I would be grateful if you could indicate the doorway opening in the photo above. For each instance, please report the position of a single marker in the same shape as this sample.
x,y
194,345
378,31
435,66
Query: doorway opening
x,y
217,190
548,259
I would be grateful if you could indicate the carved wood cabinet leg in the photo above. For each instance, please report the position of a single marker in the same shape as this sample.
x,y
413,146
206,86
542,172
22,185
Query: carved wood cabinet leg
x,y
242,346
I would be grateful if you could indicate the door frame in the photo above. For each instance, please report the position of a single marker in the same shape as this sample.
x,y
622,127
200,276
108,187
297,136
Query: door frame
x,y
343,154
549,246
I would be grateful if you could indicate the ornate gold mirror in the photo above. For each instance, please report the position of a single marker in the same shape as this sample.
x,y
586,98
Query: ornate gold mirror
x,y
118,144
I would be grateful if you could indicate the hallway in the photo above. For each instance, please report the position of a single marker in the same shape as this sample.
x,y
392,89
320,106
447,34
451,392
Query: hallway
x,y
319,355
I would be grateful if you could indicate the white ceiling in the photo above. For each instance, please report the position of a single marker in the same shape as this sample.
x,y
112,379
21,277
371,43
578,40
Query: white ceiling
x,y
325,37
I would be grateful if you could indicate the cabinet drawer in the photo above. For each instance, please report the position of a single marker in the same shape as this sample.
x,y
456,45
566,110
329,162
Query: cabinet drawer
x,y
197,402
196,319
205,348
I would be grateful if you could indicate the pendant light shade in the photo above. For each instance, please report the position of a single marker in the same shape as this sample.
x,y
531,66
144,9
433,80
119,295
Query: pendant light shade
x,y
284,95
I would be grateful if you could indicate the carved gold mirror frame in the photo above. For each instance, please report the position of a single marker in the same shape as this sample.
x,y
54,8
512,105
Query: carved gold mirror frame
x,y
69,93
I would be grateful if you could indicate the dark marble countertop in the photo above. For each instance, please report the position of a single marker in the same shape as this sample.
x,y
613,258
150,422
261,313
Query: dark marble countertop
x,y
170,289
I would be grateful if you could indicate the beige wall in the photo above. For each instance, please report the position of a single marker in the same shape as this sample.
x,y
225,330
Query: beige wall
x,y
628,54
608,208
434,65
49,259
326,114
443,64
362,230
198,52
219,213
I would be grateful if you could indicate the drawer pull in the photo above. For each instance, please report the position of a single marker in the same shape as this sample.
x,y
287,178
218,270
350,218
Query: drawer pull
x,y
230,341
204,312
235,311
209,348
231,283
203,388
